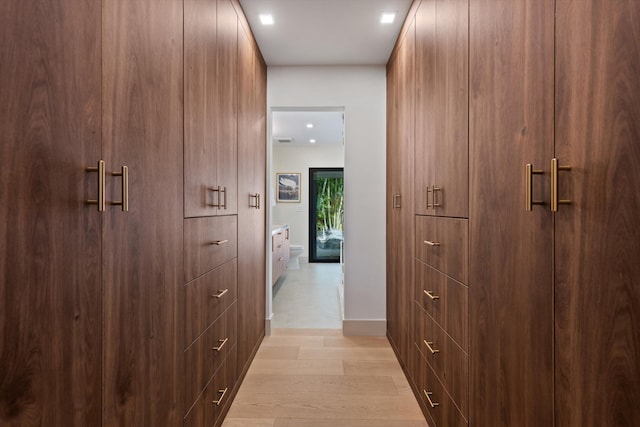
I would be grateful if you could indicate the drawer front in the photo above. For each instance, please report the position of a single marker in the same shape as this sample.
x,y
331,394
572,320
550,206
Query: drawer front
x,y
447,360
208,243
445,300
208,406
207,297
443,243
205,356
440,407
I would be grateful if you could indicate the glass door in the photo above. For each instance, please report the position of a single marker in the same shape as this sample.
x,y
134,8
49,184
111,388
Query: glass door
x,y
326,214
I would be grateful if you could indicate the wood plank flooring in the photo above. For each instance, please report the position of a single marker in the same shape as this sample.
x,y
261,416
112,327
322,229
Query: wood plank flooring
x,y
318,378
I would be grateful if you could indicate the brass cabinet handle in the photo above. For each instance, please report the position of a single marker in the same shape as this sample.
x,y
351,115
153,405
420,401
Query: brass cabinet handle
x,y
216,190
124,173
219,242
431,349
430,243
554,185
428,394
279,246
258,194
431,295
100,201
223,342
529,172
220,293
219,401
281,259
257,199
396,202
429,205
224,192
435,204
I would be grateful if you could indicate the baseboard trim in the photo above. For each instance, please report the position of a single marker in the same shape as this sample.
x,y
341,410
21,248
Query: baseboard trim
x,y
369,328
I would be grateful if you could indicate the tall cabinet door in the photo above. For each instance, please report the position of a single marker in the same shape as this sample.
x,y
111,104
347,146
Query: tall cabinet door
x,y
400,192
143,130
251,210
511,249
50,240
597,268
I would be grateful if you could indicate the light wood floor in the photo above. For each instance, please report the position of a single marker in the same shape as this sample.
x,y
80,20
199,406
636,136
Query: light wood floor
x,y
318,378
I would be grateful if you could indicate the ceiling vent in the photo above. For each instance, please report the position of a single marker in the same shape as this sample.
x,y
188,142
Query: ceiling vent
x,y
284,140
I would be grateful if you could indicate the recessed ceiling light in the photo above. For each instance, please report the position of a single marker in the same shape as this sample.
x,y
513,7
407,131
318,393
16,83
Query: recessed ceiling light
x,y
387,18
310,125
266,19
313,141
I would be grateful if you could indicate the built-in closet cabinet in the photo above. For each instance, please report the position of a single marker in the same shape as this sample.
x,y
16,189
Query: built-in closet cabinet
x,y
400,137
555,289
441,127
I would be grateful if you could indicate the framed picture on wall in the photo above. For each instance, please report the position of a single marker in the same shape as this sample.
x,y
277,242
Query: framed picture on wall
x,y
288,187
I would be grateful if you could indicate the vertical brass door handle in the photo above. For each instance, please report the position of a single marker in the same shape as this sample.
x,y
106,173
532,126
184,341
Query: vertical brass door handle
x,y
258,194
257,199
529,172
428,394
431,295
224,192
554,185
219,401
429,205
100,201
217,191
124,173
435,203
396,201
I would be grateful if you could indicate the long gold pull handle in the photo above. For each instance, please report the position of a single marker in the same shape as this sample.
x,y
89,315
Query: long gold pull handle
x,y
529,172
428,394
220,294
219,401
258,200
429,205
554,185
219,242
431,349
217,191
223,342
224,192
435,203
396,201
430,243
431,295
124,173
100,201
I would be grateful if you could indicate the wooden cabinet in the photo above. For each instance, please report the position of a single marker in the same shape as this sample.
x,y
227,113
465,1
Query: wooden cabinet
x,y
210,108
441,127
252,145
554,289
400,137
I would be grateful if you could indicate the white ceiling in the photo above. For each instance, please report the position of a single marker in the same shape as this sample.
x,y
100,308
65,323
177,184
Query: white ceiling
x,y
328,127
325,32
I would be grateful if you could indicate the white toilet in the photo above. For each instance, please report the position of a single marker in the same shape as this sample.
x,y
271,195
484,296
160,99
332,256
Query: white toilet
x,y
294,252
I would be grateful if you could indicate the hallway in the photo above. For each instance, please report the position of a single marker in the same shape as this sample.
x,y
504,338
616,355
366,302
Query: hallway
x,y
318,378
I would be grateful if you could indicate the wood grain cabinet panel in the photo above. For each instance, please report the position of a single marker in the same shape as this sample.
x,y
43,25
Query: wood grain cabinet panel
x,y
208,243
443,243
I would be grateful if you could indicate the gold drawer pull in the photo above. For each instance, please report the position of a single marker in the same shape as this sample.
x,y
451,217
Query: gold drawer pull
x,y
219,242
281,259
554,185
100,201
219,401
222,292
431,349
431,295
430,243
218,348
428,394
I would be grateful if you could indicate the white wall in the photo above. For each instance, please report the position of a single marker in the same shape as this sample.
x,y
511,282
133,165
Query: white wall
x,y
362,93
300,159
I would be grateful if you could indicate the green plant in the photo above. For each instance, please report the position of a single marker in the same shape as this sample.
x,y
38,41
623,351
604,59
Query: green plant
x,y
330,204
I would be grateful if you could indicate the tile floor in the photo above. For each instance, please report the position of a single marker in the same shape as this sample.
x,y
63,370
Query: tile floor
x,y
306,374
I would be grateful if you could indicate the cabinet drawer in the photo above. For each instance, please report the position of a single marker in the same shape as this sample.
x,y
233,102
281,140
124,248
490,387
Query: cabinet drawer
x,y
208,243
206,355
443,243
440,407
208,406
446,300
447,360
207,297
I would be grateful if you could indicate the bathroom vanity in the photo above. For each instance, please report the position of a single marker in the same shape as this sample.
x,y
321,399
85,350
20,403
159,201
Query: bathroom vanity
x,y
280,244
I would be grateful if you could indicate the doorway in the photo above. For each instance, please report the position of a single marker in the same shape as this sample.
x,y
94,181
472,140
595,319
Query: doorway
x,y
326,214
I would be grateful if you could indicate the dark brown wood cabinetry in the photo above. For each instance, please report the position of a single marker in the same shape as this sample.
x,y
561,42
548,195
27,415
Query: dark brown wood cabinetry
x,y
526,313
115,309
